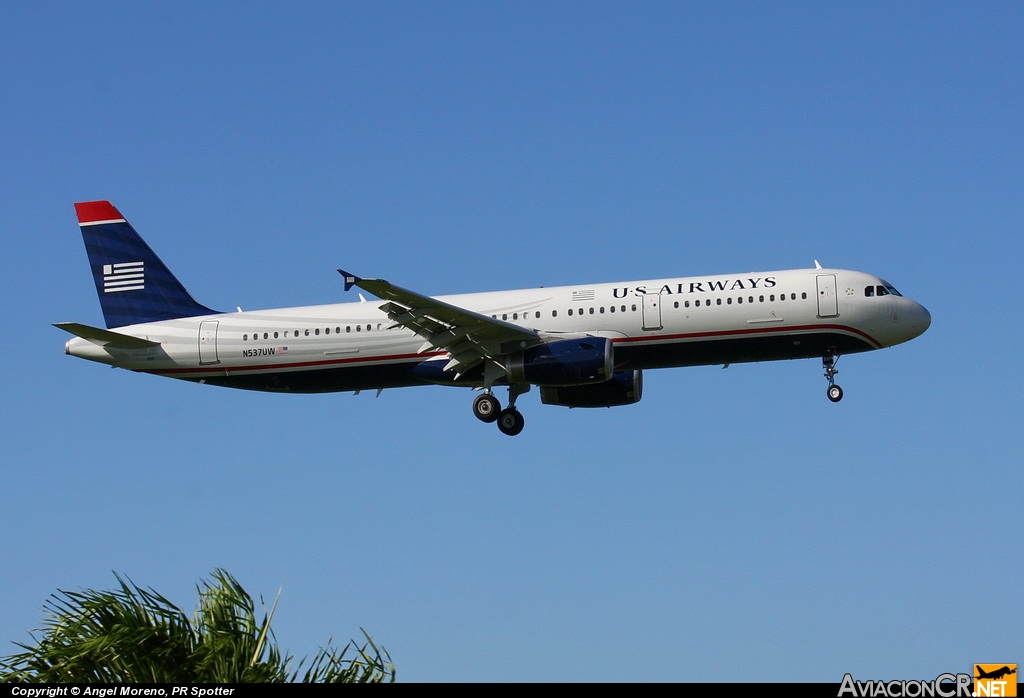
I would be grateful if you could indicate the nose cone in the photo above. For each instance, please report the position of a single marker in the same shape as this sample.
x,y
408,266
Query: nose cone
x,y
916,319
902,321
922,319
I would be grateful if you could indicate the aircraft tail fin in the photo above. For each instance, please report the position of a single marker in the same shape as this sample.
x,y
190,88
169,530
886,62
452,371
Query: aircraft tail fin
x,y
134,286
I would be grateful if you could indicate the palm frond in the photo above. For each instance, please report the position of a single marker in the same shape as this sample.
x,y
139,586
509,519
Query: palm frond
x,y
132,634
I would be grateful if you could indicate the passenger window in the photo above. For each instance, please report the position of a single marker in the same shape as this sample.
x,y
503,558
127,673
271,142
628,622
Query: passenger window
x,y
591,310
570,311
718,301
275,335
245,338
803,296
554,313
728,301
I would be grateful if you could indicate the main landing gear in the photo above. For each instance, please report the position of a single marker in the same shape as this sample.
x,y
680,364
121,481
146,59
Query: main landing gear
x,y
828,362
487,409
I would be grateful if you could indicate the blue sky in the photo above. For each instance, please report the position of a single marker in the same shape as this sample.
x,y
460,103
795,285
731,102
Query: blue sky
x,y
734,525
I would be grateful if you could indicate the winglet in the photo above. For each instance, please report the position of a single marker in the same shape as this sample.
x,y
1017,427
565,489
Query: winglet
x,y
350,279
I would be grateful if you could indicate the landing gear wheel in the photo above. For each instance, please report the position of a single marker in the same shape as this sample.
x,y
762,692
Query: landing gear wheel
x,y
828,362
510,421
835,393
486,408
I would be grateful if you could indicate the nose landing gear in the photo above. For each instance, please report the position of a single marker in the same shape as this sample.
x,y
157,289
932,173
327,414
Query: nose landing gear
x,y
828,362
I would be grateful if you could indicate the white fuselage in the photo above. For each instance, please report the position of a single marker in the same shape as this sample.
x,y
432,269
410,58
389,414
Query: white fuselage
x,y
653,324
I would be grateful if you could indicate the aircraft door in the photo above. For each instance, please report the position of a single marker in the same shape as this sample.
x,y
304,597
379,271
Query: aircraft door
x,y
208,342
652,311
828,305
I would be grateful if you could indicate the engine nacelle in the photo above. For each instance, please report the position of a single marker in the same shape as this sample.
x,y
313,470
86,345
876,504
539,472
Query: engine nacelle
x,y
433,371
624,388
565,362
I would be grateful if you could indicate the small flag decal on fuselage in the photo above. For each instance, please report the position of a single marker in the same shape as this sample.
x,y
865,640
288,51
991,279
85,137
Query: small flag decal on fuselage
x,y
125,276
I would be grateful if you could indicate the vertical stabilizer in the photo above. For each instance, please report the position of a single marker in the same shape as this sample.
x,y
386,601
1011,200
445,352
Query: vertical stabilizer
x,y
134,286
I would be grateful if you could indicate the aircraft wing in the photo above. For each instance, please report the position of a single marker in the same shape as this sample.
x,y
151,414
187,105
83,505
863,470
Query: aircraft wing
x,y
468,337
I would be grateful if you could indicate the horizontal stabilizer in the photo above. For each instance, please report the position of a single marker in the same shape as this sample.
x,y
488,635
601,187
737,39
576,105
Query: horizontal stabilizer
x,y
105,337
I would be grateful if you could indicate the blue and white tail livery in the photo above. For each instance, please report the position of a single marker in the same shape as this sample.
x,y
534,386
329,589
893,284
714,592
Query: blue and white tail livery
x,y
133,284
582,346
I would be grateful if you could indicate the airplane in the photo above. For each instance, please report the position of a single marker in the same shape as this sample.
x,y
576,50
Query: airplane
x,y
583,346
995,674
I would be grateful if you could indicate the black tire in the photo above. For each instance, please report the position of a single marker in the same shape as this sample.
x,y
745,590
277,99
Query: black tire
x,y
835,393
486,408
510,421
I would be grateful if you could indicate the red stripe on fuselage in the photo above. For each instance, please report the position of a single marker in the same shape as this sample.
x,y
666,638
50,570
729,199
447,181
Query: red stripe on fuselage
x,y
750,331
618,340
299,364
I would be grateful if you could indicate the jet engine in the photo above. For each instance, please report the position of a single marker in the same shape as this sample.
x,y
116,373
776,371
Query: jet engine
x,y
565,362
624,388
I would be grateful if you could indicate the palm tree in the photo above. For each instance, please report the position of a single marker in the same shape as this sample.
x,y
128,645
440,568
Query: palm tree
x,y
135,635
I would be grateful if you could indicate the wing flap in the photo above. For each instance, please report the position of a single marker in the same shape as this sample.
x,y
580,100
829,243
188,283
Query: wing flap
x,y
468,337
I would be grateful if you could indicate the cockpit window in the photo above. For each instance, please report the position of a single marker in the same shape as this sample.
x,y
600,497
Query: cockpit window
x,y
883,290
887,289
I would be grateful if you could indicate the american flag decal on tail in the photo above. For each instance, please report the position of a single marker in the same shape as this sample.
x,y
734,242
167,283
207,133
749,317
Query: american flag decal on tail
x,y
125,276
